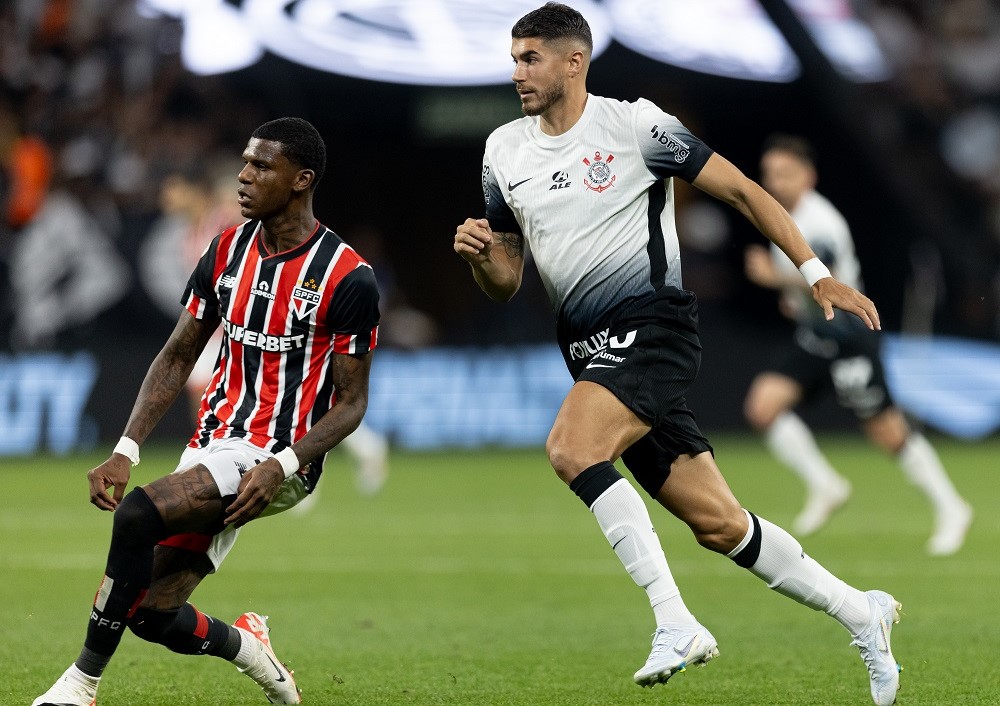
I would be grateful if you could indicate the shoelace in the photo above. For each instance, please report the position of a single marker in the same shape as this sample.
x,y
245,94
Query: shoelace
x,y
658,645
866,654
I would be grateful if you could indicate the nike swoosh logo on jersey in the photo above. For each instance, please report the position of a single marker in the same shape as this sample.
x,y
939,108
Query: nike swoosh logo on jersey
x,y
599,365
511,187
281,676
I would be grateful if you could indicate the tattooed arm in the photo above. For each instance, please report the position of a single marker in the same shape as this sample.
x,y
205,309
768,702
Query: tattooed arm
x,y
497,259
168,374
260,483
164,380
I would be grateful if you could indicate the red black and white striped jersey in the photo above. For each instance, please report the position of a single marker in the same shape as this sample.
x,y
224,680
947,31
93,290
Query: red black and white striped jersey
x,y
284,317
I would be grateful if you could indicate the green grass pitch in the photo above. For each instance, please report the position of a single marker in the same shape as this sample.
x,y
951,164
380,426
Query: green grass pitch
x,y
476,578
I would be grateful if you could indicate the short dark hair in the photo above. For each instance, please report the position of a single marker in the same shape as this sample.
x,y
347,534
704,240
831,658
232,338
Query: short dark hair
x,y
552,22
794,145
300,142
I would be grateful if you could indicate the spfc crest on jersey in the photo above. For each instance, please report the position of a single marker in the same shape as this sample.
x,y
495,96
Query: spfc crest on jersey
x,y
599,175
306,297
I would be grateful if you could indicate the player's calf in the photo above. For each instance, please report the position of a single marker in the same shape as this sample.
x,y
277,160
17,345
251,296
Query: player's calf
x,y
187,631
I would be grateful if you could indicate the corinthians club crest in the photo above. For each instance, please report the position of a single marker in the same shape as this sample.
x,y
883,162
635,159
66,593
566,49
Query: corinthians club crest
x,y
599,176
306,297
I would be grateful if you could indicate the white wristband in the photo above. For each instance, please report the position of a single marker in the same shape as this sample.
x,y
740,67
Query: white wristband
x,y
128,448
814,270
288,460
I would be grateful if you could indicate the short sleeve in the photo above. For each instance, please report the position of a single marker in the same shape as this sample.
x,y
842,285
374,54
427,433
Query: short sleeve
x,y
668,148
498,213
353,315
199,295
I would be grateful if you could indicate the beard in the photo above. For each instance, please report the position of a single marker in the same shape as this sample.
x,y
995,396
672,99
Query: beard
x,y
545,99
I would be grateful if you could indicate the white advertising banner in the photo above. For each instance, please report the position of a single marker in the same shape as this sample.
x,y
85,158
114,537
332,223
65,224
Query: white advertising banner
x,y
467,42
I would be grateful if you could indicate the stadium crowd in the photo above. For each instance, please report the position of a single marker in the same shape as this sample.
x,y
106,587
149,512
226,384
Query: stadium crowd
x,y
946,86
96,111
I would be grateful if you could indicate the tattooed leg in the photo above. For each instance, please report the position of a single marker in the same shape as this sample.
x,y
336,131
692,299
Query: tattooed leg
x,y
165,617
188,501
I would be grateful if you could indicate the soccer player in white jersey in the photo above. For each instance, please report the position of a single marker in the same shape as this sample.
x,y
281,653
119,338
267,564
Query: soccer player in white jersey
x,y
840,353
299,309
586,183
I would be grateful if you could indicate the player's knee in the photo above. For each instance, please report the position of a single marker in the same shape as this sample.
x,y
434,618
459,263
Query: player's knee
x,y
890,444
758,413
565,459
137,522
888,430
720,532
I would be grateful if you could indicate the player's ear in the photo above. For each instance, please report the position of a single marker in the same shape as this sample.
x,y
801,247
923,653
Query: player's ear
x,y
304,179
577,61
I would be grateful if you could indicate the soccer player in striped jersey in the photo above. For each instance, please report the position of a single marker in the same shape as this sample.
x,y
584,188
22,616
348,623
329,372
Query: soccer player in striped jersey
x,y
840,354
299,311
586,183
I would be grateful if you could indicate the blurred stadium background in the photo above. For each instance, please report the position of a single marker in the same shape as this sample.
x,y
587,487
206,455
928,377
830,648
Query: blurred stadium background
x,y
121,126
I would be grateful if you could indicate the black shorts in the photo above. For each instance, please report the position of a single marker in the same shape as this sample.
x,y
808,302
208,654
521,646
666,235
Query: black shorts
x,y
849,365
650,366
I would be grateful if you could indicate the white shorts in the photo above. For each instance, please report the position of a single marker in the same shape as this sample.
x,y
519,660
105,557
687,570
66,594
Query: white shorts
x,y
227,460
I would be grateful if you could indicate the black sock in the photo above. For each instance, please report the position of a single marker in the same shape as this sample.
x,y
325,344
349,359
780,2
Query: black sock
x,y
91,663
137,529
751,552
593,481
187,630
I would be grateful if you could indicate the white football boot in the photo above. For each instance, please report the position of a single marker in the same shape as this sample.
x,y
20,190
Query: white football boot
x,y
266,669
950,529
73,688
371,453
876,647
675,647
820,505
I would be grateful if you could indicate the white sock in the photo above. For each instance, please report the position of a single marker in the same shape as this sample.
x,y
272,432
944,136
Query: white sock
x,y
74,673
248,649
790,440
791,572
922,467
623,518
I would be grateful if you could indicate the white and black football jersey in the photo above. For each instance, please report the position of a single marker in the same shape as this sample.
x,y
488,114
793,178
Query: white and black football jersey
x,y
595,205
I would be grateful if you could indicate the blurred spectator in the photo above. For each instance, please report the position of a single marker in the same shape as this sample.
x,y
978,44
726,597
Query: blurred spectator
x,y
64,269
946,58
25,173
196,204
26,163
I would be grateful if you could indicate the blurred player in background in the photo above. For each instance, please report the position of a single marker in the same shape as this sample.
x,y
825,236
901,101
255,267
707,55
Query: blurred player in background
x,y
300,310
587,183
840,353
